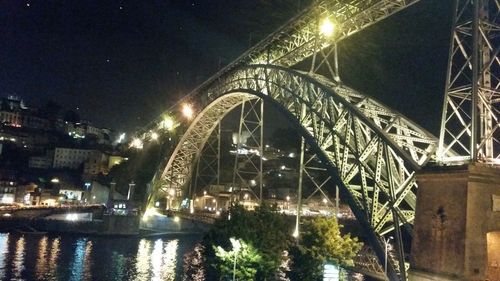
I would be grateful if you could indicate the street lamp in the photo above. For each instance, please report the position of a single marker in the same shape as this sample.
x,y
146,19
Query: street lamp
x,y
236,248
326,27
187,111
154,136
386,243
168,123
136,143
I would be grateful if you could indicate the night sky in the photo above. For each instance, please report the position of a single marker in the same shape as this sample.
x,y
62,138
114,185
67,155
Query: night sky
x,y
121,63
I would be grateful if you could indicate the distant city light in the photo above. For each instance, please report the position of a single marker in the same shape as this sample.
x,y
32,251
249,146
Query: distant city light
x,y
54,180
176,219
187,111
253,183
283,167
326,28
325,200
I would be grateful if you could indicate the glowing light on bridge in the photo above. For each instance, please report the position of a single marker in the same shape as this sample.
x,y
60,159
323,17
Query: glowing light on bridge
x,y
326,28
187,111
168,123
137,143
154,136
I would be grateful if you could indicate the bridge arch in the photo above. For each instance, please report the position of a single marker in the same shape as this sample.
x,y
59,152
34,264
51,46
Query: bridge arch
x,y
370,151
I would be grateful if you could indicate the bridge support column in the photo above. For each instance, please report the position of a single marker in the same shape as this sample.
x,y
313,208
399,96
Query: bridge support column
x,y
457,224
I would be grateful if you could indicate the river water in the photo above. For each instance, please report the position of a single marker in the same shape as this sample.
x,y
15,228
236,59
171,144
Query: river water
x,y
75,258
67,257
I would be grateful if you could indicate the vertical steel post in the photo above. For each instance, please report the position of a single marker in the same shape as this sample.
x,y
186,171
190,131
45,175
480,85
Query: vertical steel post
x,y
336,63
238,147
261,148
218,151
337,201
475,80
301,172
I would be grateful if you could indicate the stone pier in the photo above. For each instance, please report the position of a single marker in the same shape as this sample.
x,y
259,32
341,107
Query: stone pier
x,y
457,224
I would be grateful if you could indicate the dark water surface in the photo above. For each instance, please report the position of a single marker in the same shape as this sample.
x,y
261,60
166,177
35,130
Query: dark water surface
x,y
68,257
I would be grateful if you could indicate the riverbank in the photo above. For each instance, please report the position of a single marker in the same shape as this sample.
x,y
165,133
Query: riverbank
x,y
107,225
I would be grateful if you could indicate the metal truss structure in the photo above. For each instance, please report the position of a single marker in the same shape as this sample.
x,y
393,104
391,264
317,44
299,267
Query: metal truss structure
x,y
299,38
247,172
470,124
370,152
207,164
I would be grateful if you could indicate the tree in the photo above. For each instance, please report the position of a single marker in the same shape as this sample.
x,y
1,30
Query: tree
x,y
321,242
264,229
244,262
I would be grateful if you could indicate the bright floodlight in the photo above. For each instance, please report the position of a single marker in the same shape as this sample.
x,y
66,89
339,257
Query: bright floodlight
x,y
168,123
137,143
187,111
121,138
326,27
235,243
154,136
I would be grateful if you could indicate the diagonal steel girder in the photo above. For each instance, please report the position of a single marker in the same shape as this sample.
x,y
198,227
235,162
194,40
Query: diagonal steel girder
x,y
370,151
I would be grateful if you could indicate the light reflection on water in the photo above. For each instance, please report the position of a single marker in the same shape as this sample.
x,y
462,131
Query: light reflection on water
x,y
4,250
91,258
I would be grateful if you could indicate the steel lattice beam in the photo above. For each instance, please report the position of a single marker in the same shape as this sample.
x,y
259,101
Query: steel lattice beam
x,y
470,125
372,152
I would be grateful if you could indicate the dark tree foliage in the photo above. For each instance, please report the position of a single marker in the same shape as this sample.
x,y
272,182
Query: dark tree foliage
x,y
321,241
140,167
264,229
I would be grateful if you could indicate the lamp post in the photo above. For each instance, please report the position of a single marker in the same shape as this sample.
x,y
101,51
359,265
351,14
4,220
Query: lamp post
x,y
236,248
386,243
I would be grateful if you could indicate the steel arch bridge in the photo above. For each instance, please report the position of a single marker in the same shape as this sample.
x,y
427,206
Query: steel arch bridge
x,y
370,151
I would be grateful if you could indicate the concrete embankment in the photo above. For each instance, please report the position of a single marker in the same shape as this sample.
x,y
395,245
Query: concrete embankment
x,y
108,225
159,225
